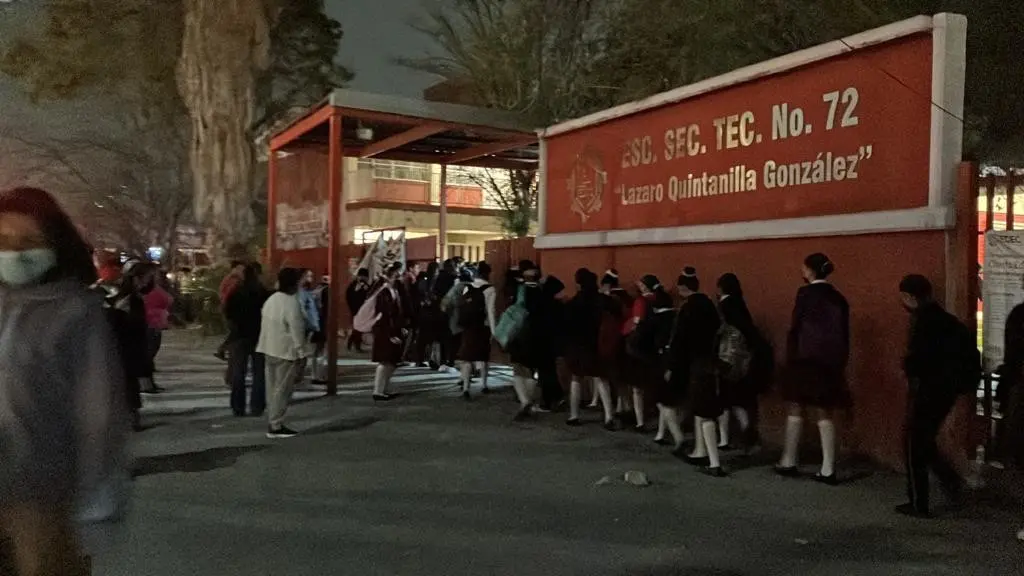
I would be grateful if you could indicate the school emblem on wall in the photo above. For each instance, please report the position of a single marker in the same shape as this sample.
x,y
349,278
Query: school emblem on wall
x,y
586,184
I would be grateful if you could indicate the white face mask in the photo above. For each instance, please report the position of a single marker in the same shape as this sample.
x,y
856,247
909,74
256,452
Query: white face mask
x,y
25,267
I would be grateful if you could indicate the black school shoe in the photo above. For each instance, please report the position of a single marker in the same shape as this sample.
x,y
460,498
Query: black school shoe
x,y
716,472
282,432
909,510
573,422
787,471
831,480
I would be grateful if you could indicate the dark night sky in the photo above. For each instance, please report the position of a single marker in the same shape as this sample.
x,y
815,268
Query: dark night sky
x,y
376,31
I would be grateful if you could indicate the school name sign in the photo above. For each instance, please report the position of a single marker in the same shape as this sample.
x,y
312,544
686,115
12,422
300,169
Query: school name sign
x,y
683,144
849,132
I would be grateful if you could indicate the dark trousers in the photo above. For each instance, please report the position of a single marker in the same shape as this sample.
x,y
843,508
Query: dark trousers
x,y
241,351
924,421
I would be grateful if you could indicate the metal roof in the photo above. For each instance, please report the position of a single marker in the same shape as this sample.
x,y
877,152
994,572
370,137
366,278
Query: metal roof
x,y
414,130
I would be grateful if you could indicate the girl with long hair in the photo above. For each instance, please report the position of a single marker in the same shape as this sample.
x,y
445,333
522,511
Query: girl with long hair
x,y
584,314
63,411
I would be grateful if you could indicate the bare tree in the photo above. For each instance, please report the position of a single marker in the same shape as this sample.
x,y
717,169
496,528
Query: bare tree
x,y
129,187
526,56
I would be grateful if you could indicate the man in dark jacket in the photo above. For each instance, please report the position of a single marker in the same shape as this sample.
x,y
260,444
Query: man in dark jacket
x,y
931,369
355,296
1009,430
244,310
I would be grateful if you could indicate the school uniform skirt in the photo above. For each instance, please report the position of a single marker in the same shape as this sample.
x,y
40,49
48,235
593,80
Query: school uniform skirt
x,y
475,345
584,363
705,393
651,378
812,384
737,392
385,351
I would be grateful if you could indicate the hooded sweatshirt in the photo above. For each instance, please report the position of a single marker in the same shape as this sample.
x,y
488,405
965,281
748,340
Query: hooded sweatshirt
x,y
63,410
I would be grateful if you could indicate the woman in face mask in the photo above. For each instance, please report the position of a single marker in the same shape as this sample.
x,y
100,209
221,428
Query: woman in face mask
x,y
63,418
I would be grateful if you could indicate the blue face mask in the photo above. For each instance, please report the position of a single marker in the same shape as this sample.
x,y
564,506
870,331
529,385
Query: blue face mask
x,y
25,267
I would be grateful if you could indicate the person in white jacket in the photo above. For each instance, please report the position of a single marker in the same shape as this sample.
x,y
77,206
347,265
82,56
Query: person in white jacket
x,y
283,342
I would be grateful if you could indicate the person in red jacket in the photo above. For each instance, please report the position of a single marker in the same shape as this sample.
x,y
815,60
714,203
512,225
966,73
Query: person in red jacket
x,y
228,285
158,311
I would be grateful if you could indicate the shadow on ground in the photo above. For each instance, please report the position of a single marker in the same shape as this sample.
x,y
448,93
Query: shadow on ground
x,y
341,426
192,462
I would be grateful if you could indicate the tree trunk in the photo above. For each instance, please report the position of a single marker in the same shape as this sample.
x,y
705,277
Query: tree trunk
x,y
224,47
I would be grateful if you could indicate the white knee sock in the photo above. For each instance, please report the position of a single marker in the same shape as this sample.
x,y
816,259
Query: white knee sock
x,y
723,427
484,369
828,447
700,449
604,392
467,373
662,425
742,417
710,428
638,406
672,421
792,442
520,386
594,396
575,391
380,379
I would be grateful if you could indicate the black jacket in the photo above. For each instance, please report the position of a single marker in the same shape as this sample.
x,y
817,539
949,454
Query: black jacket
x,y
244,309
695,333
932,352
356,295
820,330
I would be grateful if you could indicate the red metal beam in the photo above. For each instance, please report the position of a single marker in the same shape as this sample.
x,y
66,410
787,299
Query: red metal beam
x,y
443,159
401,139
335,159
271,208
301,127
488,149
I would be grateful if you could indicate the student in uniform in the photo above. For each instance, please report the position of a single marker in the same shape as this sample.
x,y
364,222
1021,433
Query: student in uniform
x,y
931,368
818,349
649,334
548,327
613,345
693,370
389,332
738,340
355,296
584,314
526,349
475,308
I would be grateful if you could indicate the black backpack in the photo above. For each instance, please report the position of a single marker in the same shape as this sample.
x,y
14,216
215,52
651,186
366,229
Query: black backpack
x,y
473,306
965,358
652,335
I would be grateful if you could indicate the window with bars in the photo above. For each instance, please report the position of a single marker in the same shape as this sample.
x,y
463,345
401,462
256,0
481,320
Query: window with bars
x,y
464,176
395,170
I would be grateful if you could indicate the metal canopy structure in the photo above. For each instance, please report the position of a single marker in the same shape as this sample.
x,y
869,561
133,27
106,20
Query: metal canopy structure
x,y
363,125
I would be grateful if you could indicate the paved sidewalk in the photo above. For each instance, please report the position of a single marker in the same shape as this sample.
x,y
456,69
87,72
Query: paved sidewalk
x,y
430,484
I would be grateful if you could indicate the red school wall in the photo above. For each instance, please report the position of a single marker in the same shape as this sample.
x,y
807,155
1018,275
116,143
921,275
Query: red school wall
x,y
869,268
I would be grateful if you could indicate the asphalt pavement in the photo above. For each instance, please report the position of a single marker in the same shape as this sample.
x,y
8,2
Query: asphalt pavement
x,y
430,484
